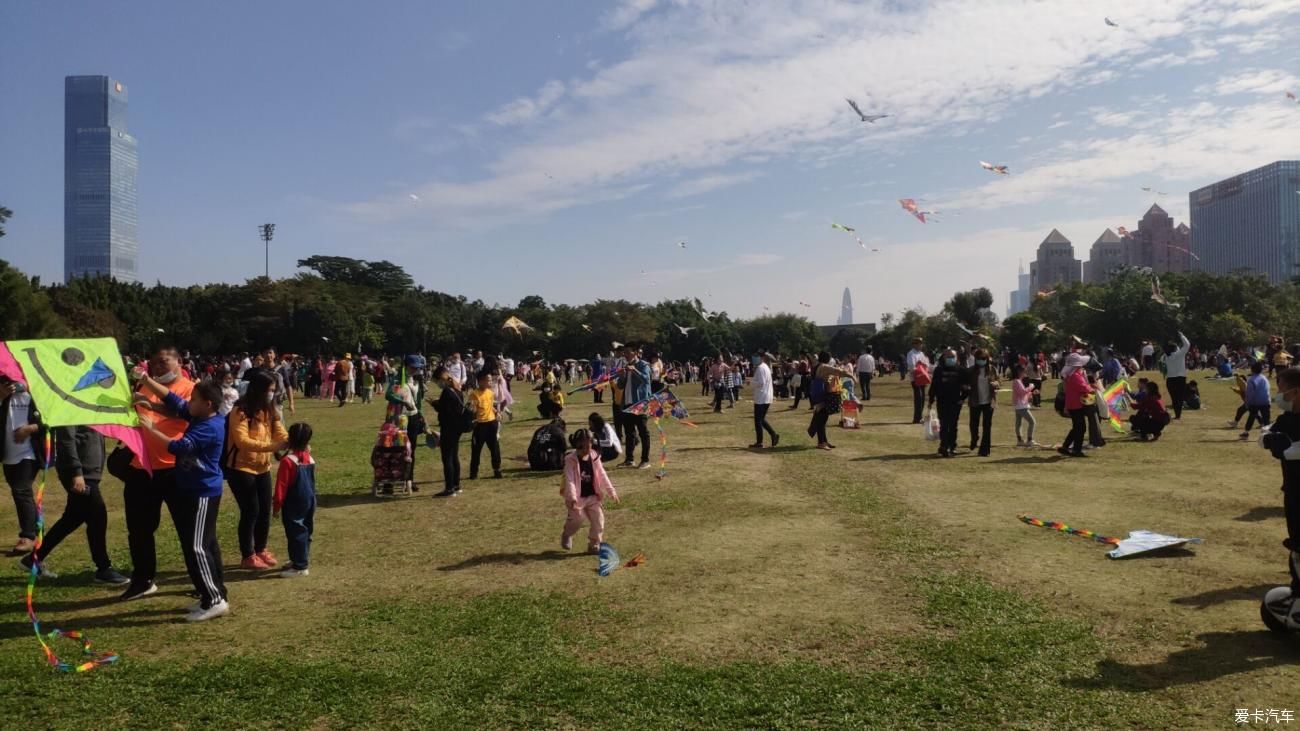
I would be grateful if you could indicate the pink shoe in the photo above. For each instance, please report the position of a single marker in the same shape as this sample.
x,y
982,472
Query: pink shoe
x,y
253,563
268,558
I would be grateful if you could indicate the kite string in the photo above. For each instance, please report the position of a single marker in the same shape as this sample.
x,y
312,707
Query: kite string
x,y
92,659
1058,525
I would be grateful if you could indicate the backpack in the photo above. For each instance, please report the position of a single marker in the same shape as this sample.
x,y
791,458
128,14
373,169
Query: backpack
x,y
546,449
920,375
1058,403
817,391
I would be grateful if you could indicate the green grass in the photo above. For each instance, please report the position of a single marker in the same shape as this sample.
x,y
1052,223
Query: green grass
x,y
853,589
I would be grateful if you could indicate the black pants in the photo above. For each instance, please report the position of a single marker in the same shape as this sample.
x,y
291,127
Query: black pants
x,y
449,447
760,423
981,415
82,509
143,498
918,403
1257,413
341,391
949,416
196,526
865,379
1291,508
798,393
1078,425
817,427
1037,385
484,433
1093,417
20,477
1177,388
637,432
253,494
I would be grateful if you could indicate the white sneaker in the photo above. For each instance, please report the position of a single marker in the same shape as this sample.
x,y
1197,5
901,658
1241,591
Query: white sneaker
x,y
202,615
292,573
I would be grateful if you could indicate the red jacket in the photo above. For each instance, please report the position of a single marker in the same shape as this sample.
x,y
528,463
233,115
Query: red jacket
x,y
1076,387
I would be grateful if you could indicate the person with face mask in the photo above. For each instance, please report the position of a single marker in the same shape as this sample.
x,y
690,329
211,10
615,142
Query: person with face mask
x,y
949,384
983,389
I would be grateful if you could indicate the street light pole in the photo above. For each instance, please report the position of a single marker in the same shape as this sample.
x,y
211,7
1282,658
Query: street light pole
x,y
267,230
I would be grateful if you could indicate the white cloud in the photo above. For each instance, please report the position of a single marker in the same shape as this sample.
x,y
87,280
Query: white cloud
x,y
528,109
1058,125
667,212
626,13
710,183
1254,81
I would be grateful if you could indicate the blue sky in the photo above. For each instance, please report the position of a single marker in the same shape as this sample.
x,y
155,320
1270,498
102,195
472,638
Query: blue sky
x,y
498,149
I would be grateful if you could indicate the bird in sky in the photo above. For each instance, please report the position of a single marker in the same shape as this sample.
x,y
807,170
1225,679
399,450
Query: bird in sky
x,y
684,330
868,118
1111,23
999,169
681,244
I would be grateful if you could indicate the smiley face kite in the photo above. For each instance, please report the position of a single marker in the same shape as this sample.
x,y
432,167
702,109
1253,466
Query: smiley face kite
x,y
76,381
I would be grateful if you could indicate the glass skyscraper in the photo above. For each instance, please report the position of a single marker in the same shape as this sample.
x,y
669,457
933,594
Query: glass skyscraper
x,y
99,170
1249,221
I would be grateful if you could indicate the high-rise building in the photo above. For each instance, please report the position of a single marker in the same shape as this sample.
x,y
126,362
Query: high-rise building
x,y
99,170
1106,254
846,309
1055,263
1019,298
1158,244
1249,221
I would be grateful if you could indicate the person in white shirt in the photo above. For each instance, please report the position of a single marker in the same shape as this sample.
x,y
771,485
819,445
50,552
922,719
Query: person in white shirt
x,y
508,367
1148,355
1176,373
456,369
763,401
915,356
866,369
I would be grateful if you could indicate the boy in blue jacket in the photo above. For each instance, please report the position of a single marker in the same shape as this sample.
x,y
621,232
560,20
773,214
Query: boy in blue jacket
x,y
197,499
1256,398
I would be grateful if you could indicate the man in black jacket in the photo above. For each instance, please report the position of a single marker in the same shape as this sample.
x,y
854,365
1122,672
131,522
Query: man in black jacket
x,y
453,423
79,461
949,385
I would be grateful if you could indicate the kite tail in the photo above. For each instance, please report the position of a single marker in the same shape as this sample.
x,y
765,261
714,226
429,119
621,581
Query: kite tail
x,y
663,450
91,659
1058,525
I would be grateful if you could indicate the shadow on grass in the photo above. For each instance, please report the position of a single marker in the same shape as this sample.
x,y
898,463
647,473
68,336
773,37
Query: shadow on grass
x,y
1210,598
781,449
1037,459
67,649
327,500
897,457
1221,654
1263,512
516,557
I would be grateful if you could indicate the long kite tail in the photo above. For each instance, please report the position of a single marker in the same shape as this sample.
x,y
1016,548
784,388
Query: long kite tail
x,y
1058,525
663,450
90,659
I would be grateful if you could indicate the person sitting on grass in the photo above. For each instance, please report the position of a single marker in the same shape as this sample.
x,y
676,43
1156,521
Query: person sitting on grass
x,y
198,481
585,488
295,499
1151,418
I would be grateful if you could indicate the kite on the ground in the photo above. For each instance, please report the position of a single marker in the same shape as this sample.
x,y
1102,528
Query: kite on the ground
x,y
1087,306
660,405
514,323
909,205
607,559
999,169
1111,23
869,118
1137,542
684,330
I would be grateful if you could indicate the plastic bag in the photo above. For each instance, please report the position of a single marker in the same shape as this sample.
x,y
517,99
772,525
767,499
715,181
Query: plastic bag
x,y
931,426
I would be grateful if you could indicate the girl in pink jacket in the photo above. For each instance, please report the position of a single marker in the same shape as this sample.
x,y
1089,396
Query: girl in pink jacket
x,y
584,490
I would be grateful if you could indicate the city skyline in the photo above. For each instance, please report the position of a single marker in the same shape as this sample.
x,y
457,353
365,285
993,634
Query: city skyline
x,y
640,125
100,163
1250,220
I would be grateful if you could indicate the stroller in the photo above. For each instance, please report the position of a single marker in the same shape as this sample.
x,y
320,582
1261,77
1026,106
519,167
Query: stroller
x,y
391,460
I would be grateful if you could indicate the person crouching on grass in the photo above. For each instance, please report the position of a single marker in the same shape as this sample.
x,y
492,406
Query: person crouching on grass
x,y
198,479
295,499
584,490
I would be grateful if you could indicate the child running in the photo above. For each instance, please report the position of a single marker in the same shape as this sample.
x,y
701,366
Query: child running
x,y
295,499
196,497
584,490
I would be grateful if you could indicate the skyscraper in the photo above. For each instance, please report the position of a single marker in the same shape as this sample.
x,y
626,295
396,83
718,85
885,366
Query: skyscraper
x,y
1249,221
1107,253
1055,263
1019,298
99,170
1158,243
846,309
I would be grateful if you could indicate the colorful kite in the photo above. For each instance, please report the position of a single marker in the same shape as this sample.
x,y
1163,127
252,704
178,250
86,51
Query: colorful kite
x,y
607,559
1116,398
657,407
592,384
909,205
1137,542
514,323
849,230
74,382
1085,305
999,169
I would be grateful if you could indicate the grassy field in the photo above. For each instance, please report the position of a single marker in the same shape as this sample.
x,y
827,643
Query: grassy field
x,y
871,586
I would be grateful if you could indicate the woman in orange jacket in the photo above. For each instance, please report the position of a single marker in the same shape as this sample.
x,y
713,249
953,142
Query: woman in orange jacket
x,y
254,433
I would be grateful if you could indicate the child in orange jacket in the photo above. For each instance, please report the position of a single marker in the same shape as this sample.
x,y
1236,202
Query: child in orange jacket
x,y
584,490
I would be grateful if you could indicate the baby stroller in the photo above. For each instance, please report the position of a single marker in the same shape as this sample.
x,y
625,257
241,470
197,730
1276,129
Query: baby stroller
x,y
391,460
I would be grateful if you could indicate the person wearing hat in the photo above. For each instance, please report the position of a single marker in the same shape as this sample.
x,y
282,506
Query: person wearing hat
x,y
1076,390
914,358
763,400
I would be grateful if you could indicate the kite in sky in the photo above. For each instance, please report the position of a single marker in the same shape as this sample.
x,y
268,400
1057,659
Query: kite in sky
x,y
1046,292
1085,305
615,344
804,304
514,323
414,197
681,244
1044,327
909,205
1290,96
1146,189
1138,541
870,118
1122,231
1111,23
586,327
685,330
1158,295
1185,251
999,169
849,230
